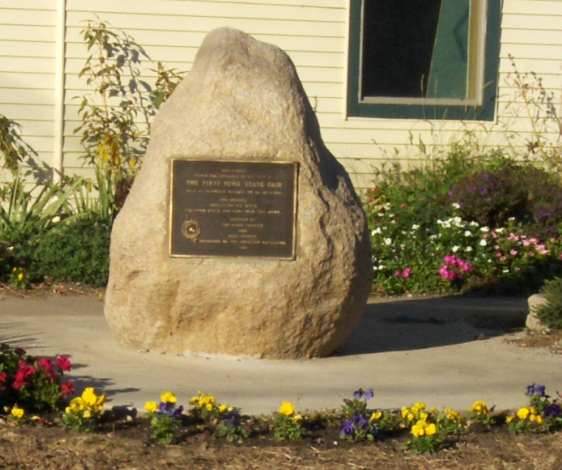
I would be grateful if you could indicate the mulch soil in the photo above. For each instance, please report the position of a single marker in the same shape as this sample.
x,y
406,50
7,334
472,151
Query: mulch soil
x,y
40,447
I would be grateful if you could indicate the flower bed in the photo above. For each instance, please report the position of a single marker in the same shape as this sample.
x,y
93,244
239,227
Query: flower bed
x,y
465,224
33,392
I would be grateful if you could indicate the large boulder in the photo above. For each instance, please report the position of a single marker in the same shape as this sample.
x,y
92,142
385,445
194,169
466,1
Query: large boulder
x,y
242,101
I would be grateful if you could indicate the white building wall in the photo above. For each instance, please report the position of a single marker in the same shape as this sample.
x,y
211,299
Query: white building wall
x,y
27,69
314,34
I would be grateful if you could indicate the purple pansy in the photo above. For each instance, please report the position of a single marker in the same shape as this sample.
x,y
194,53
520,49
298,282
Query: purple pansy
x,y
536,390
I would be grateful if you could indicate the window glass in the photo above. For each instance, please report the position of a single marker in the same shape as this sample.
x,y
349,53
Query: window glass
x,y
437,56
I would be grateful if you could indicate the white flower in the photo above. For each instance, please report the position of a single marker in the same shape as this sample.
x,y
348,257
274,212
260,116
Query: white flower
x,y
415,227
500,230
473,223
380,214
511,219
484,229
457,221
387,206
376,231
467,233
56,219
380,266
432,237
505,270
456,205
388,241
455,248
468,249
483,242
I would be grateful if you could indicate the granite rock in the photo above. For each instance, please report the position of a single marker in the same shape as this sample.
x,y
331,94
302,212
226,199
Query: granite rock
x,y
241,101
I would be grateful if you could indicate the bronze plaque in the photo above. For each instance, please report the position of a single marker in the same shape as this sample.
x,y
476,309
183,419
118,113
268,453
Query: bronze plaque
x,y
226,208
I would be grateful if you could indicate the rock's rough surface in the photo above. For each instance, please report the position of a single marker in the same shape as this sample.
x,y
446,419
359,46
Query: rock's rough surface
x,y
241,101
532,322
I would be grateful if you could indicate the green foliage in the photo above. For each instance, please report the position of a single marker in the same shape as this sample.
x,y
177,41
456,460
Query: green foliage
x,y
115,127
76,250
230,428
550,313
13,149
164,428
26,215
287,428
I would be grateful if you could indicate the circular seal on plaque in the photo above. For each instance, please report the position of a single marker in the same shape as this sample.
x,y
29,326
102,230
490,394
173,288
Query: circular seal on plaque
x,y
190,230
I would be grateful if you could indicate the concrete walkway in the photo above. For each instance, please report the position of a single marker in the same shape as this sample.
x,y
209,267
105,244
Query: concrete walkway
x,y
446,351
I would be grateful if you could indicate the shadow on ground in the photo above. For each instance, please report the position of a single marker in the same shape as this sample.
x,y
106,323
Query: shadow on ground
x,y
25,341
404,324
99,383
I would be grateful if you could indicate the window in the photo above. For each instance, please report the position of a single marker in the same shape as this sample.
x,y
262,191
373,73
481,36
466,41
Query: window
x,y
429,59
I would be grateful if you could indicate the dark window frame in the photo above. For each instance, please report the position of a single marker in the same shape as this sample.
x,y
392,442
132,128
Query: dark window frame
x,y
484,111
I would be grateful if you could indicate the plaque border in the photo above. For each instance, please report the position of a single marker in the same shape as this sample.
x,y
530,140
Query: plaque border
x,y
296,168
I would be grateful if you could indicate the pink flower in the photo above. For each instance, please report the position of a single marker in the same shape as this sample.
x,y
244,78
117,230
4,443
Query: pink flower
x,y
526,243
406,272
541,249
512,237
63,363
513,252
445,274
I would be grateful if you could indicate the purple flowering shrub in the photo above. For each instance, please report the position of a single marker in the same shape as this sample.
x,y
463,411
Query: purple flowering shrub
x,y
528,194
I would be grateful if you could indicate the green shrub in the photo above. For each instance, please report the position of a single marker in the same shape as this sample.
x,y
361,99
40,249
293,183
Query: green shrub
x,y
76,250
551,312
462,223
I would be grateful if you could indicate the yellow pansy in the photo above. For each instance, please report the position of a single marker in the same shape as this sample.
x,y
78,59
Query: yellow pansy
x,y
418,406
150,406
418,429
224,408
509,419
87,414
523,413
287,408
480,407
430,429
452,415
17,412
375,416
297,418
168,397
89,396
20,277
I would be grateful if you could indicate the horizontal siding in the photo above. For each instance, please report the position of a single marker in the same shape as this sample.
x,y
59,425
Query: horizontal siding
x,y
27,70
314,34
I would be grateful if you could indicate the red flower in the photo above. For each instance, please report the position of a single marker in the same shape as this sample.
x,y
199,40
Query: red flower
x,y
3,377
67,389
63,363
24,371
47,366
